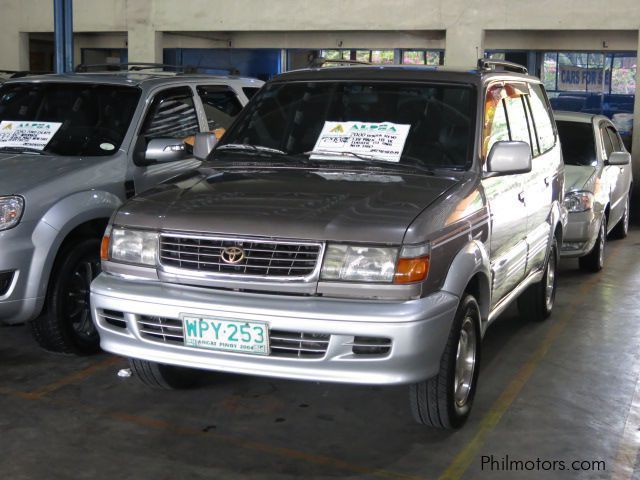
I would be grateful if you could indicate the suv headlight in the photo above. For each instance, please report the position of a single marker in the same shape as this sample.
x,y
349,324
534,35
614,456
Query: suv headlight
x,y
578,201
139,247
11,209
355,263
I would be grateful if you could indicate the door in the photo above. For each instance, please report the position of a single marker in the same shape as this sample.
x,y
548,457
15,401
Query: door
x,y
505,196
171,115
619,176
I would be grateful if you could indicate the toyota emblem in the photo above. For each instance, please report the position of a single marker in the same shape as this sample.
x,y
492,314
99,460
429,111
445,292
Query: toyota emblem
x,y
232,255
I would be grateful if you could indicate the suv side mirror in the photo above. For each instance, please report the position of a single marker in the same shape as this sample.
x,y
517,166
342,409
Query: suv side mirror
x,y
203,145
619,158
162,150
508,158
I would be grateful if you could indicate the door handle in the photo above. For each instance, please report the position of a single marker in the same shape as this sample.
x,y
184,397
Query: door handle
x,y
547,181
521,197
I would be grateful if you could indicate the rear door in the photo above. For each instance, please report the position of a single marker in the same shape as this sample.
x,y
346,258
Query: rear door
x,y
619,177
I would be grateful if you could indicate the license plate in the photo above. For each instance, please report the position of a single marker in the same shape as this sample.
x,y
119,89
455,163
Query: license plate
x,y
228,335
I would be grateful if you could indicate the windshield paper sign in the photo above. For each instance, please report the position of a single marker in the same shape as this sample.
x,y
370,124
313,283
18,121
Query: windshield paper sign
x,y
383,141
34,135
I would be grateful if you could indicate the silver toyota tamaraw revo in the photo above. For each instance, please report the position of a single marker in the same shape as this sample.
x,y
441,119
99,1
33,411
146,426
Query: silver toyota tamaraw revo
x,y
73,148
354,224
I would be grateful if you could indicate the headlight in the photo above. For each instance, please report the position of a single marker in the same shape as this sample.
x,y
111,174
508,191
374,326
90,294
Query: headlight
x,y
355,263
10,211
130,246
578,201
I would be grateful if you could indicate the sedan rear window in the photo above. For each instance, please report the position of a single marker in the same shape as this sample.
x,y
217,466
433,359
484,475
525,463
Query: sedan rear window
x,y
94,118
578,145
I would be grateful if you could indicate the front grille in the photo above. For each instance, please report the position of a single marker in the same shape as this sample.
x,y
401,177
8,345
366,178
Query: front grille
x,y
113,318
264,258
282,343
5,282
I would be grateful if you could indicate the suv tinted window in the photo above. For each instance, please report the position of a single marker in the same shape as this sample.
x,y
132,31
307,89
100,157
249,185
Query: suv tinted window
x,y
290,116
221,105
95,118
577,141
171,115
542,118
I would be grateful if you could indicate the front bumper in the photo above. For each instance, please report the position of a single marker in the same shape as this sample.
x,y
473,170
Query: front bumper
x,y
581,234
418,330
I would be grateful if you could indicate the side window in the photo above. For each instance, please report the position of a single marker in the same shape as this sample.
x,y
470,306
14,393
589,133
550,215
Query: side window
x,y
615,140
608,146
172,115
221,105
518,125
495,128
535,146
250,91
542,119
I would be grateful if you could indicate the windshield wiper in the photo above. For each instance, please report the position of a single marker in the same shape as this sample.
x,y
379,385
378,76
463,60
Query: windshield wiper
x,y
23,150
251,148
370,160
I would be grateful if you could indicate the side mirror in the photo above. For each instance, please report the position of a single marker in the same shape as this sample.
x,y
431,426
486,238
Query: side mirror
x,y
619,158
509,158
203,145
162,150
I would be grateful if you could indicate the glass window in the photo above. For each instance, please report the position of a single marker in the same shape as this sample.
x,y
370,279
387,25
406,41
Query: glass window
x,y
172,115
495,127
577,141
250,91
382,56
616,141
549,70
290,116
518,126
363,55
434,58
541,117
413,57
623,74
221,105
95,118
535,146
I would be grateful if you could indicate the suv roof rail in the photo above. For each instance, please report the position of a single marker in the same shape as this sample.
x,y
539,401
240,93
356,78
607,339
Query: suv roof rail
x,y
141,66
320,61
21,73
489,64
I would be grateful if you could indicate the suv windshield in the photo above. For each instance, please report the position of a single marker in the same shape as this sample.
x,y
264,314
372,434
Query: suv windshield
x,y
93,119
434,122
578,146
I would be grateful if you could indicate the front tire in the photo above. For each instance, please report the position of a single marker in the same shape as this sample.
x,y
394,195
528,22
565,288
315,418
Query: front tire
x,y
66,325
594,260
445,400
536,302
164,377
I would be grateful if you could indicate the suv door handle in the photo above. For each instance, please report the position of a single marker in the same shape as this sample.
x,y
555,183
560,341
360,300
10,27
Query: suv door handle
x,y
547,181
521,197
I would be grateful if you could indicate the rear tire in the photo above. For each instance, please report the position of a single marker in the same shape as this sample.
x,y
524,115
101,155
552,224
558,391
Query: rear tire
x,y
164,377
621,230
536,303
445,400
66,325
594,260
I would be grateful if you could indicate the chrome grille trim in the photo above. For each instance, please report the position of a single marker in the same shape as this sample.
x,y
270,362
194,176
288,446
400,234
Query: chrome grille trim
x,y
282,343
266,259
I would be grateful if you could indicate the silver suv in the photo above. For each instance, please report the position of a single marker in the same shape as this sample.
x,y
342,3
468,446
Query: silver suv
x,y
73,148
355,224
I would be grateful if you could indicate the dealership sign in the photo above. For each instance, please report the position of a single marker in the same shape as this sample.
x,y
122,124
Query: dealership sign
x,y
583,79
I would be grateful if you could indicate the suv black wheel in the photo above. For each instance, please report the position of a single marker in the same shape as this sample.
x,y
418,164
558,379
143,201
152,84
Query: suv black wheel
x,y
536,302
166,377
445,400
621,230
66,325
594,260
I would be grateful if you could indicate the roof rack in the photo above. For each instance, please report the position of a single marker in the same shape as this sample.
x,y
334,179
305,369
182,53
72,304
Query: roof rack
x,y
141,66
20,73
489,64
320,61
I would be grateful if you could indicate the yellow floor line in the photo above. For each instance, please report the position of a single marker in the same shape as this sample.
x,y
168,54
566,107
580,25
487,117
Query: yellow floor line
x,y
629,450
462,461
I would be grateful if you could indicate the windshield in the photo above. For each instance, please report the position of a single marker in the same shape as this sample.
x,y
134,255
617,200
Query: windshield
x,y
432,124
88,119
577,140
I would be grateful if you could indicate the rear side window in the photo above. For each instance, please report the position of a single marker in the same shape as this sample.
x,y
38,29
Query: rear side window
x,y
577,141
221,105
172,115
541,117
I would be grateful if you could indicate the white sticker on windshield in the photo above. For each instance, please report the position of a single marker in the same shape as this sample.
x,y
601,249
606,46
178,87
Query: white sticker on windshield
x,y
107,146
382,141
27,134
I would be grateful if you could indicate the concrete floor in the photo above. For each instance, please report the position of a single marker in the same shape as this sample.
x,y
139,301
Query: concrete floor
x,y
563,390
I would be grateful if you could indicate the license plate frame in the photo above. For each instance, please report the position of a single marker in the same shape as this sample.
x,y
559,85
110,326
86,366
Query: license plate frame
x,y
214,343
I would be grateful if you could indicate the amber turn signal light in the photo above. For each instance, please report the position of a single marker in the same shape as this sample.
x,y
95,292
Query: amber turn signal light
x,y
410,270
104,248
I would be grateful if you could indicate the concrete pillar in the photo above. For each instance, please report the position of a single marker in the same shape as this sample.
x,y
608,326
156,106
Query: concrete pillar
x,y
14,50
144,42
636,125
464,44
